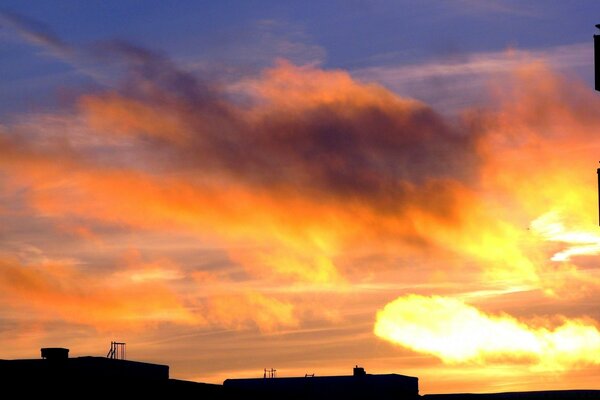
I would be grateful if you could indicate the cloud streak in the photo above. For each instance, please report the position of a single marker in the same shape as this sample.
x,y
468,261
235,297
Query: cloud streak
x,y
472,74
80,298
35,32
488,63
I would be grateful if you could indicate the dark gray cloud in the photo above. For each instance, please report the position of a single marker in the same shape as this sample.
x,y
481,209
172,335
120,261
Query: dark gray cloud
x,y
380,151
367,150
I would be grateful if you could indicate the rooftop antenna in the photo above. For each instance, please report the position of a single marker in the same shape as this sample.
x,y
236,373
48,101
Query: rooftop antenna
x,y
117,351
270,373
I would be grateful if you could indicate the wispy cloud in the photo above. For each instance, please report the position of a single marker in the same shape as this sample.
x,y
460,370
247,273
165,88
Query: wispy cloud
x,y
488,63
254,46
578,243
81,298
498,7
470,74
36,32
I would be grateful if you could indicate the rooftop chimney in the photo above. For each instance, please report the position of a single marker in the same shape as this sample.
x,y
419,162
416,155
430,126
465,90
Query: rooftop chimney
x,y
55,353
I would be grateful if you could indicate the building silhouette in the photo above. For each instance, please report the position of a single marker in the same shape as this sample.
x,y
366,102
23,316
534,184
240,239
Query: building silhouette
x,y
359,385
537,395
56,375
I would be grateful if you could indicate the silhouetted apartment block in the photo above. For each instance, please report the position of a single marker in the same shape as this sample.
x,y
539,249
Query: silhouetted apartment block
x,y
360,385
55,374
55,365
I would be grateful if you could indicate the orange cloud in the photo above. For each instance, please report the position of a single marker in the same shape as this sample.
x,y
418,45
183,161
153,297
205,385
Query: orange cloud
x,y
301,173
114,114
317,166
543,127
60,290
138,296
309,180
251,309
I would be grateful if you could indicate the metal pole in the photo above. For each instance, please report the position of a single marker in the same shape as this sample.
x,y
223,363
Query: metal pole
x,y
598,172
597,60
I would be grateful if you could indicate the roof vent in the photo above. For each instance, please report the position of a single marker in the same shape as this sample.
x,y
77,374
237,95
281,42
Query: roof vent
x,y
55,353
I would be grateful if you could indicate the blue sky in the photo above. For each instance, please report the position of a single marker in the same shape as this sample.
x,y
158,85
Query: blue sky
x,y
352,35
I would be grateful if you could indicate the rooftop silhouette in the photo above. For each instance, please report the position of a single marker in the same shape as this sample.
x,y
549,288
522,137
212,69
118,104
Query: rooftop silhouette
x,y
359,385
79,377
55,374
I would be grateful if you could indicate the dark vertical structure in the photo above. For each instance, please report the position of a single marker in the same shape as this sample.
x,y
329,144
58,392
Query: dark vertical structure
x,y
597,60
117,351
597,87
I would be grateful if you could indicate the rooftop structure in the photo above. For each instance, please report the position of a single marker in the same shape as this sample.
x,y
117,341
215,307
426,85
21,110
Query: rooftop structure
x,y
359,385
55,374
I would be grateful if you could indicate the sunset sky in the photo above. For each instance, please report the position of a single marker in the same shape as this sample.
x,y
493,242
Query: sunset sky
x,y
230,186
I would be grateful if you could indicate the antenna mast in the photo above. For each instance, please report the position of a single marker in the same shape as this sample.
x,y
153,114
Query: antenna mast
x,y
270,373
117,351
597,59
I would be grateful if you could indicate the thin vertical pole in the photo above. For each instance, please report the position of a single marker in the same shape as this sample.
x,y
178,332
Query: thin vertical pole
x,y
598,172
597,60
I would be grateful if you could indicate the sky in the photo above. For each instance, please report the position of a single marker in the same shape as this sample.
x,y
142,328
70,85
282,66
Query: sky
x,y
230,186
